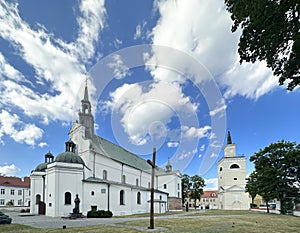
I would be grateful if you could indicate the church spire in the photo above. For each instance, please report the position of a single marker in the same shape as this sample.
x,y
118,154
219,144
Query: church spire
x,y
229,141
86,94
168,166
85,115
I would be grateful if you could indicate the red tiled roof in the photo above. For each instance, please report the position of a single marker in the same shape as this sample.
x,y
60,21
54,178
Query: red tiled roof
x,y
209,194
15,181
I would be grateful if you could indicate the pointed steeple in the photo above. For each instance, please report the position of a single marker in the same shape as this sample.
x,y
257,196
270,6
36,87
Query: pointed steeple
x,y
85,115
168,166
229,148
86,94
229,141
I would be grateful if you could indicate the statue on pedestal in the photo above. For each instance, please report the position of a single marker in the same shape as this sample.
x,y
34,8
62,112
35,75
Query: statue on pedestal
x,y
76,201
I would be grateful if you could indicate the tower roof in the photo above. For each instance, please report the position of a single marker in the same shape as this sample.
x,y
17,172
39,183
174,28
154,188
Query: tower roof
x,y
229,141
86,94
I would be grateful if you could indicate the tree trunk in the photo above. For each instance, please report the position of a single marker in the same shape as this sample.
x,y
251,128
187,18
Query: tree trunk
x,y
267,207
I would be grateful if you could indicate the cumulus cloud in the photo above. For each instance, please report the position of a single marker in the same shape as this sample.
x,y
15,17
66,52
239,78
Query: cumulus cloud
x,y
11,125
211,183
184,26
147,109
53,61
9,170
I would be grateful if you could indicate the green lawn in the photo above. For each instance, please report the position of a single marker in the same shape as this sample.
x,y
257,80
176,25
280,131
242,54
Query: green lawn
x,y
212,221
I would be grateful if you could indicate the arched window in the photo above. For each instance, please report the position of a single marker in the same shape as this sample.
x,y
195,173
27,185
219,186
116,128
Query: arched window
x,y
92,193
122,197
234,166
104,175
37,199
137,182
160,197
221,169
138,198
165,186
67,198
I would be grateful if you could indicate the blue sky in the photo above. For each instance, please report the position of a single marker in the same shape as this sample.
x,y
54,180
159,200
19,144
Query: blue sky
x,y
184,93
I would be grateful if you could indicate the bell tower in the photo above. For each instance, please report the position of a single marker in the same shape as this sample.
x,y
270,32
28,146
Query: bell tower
x,y
85,115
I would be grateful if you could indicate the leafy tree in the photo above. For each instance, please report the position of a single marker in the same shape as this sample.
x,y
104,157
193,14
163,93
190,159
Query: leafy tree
x,y
185,186
198,184
270,32
251,185
277,172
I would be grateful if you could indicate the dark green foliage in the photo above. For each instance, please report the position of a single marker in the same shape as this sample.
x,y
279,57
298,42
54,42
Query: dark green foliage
x,y
194,185
185,186
277,173
9,203
4,219
99,214
270,32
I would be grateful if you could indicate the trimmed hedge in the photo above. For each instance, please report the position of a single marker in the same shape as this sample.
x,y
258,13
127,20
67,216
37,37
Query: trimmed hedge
x,y
4,219
99,214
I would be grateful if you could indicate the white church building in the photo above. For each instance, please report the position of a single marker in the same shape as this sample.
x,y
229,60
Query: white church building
x,y
232,179
102,174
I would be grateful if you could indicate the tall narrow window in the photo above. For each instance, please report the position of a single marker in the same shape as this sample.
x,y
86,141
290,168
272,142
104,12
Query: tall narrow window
x,y
67,198
138,198
165,186
104,175
137,182
37,199
122,197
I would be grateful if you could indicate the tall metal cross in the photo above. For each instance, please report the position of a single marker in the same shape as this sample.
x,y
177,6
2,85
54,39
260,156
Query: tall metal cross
x,y
152,163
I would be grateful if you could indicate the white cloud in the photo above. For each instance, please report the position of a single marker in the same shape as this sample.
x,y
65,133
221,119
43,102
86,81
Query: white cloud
x,y
192,132
9,170
120,70
9,71
148,108
43,144
211,184
185,27
187,154
220,109
172,144
90,24
54,62
11,125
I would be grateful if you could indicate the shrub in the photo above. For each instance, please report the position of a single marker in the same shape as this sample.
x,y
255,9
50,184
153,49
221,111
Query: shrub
x,y
27,210
4,219
22,211
9,203
252,205
99,214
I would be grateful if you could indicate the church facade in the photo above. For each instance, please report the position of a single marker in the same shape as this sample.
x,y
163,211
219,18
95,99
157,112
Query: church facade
x,y
102,174
232,179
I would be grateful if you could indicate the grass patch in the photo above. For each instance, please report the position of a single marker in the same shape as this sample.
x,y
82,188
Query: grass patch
x,y
147,215
262,223
209,222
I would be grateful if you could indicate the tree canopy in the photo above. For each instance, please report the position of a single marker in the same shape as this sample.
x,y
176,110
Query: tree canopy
x,y
277,173
270,32
193,185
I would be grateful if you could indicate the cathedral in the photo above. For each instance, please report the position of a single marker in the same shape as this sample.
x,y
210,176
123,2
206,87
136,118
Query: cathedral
x,y
102,175
232,179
